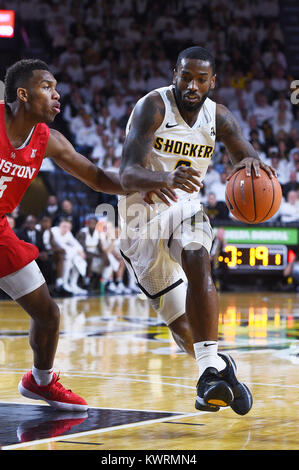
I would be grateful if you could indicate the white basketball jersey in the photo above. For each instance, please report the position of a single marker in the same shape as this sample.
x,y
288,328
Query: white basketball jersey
x,y
146,229
176,143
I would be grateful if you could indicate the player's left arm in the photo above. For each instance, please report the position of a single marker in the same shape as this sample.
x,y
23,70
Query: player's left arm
x,y
61,151
241,151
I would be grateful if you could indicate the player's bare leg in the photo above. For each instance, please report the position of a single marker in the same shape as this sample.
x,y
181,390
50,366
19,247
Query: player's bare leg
x,y
44,326
181,332
202,312
202,307
196,332
42,383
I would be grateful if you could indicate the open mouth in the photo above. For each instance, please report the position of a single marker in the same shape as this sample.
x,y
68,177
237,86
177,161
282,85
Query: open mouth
x,y
192,98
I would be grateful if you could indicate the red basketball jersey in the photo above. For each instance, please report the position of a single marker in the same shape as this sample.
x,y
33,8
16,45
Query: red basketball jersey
x,y
18,167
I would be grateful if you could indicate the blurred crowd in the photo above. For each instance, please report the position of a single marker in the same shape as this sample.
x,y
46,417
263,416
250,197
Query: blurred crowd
x,y
105,55
75,259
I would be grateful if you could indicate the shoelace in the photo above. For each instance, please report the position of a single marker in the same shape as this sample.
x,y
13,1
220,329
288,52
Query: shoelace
x,y
59,385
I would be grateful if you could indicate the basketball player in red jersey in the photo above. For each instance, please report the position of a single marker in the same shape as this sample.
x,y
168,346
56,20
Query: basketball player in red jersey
x,y
31,101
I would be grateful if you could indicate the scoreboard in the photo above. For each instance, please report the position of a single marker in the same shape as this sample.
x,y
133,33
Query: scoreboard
x,y
257,250
254,257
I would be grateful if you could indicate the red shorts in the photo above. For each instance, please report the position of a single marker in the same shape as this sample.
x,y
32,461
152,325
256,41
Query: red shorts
x,y
14,253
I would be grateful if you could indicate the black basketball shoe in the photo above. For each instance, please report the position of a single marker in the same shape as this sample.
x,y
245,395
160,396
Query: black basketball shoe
x,y
242,402
212,391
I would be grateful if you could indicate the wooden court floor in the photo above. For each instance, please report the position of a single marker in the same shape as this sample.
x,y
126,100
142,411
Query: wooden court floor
x,y
141,389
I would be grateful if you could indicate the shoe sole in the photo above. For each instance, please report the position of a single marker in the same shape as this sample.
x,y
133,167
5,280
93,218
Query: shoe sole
x,y
55,404
219,395
202,406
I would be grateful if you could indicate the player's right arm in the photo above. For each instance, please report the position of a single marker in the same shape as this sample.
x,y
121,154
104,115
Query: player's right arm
x,y
134,176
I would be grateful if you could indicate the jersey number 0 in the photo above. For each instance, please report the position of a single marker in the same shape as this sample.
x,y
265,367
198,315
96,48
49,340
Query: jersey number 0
x,y
182,163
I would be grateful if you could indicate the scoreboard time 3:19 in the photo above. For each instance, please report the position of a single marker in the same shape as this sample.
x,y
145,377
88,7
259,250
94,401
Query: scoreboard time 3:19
x,y
254,257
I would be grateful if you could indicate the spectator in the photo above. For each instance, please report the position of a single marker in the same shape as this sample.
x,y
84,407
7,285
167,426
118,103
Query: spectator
x,y
219,187
117,107
253,127
55,253
283,119
89,238
84,137
52,208
248,95
116,268
292,184
104,118
289,210
212,176
215,210
30,234
137,81
74,263
262,110
294,159
280,166
113,132
67,212
227,93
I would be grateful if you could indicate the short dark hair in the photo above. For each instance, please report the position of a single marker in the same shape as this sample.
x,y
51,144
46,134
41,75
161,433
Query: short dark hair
x,y
196,52
18,75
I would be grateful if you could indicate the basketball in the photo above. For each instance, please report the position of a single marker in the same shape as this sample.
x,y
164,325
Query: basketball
x,y
253,199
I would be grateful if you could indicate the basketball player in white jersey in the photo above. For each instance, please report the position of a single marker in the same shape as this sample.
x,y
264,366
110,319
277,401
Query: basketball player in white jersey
x,y
172,130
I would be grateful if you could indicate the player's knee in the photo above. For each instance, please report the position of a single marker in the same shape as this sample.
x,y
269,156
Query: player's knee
x,y
52,315
196,264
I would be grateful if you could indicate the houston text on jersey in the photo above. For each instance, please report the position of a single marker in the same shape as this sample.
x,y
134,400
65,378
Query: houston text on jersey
x,y
13,169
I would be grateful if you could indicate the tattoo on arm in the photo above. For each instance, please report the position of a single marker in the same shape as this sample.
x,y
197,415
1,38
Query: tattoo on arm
x,y
139,142
226,123
229,132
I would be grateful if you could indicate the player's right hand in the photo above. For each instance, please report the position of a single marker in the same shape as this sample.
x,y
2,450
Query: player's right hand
x,y
185,178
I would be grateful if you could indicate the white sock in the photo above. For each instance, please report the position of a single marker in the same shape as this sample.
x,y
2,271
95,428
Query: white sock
x,y
106,273
74,276
42,377
206,355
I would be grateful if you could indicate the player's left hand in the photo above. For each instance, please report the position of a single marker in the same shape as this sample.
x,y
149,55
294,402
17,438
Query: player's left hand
x,y
256,164
164,194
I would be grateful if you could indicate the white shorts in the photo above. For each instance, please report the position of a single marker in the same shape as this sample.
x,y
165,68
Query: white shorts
x,y
23,281
154,248
164,281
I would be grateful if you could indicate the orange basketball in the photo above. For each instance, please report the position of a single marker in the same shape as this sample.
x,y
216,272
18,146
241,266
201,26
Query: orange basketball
x,y
253,199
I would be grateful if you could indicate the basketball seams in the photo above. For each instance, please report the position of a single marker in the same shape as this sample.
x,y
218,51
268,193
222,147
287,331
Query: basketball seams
x,y
253,198
236,205
273,198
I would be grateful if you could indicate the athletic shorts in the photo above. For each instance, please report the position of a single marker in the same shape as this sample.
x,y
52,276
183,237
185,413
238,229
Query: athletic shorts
x,y
14,253
157,264
171,305
23,281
